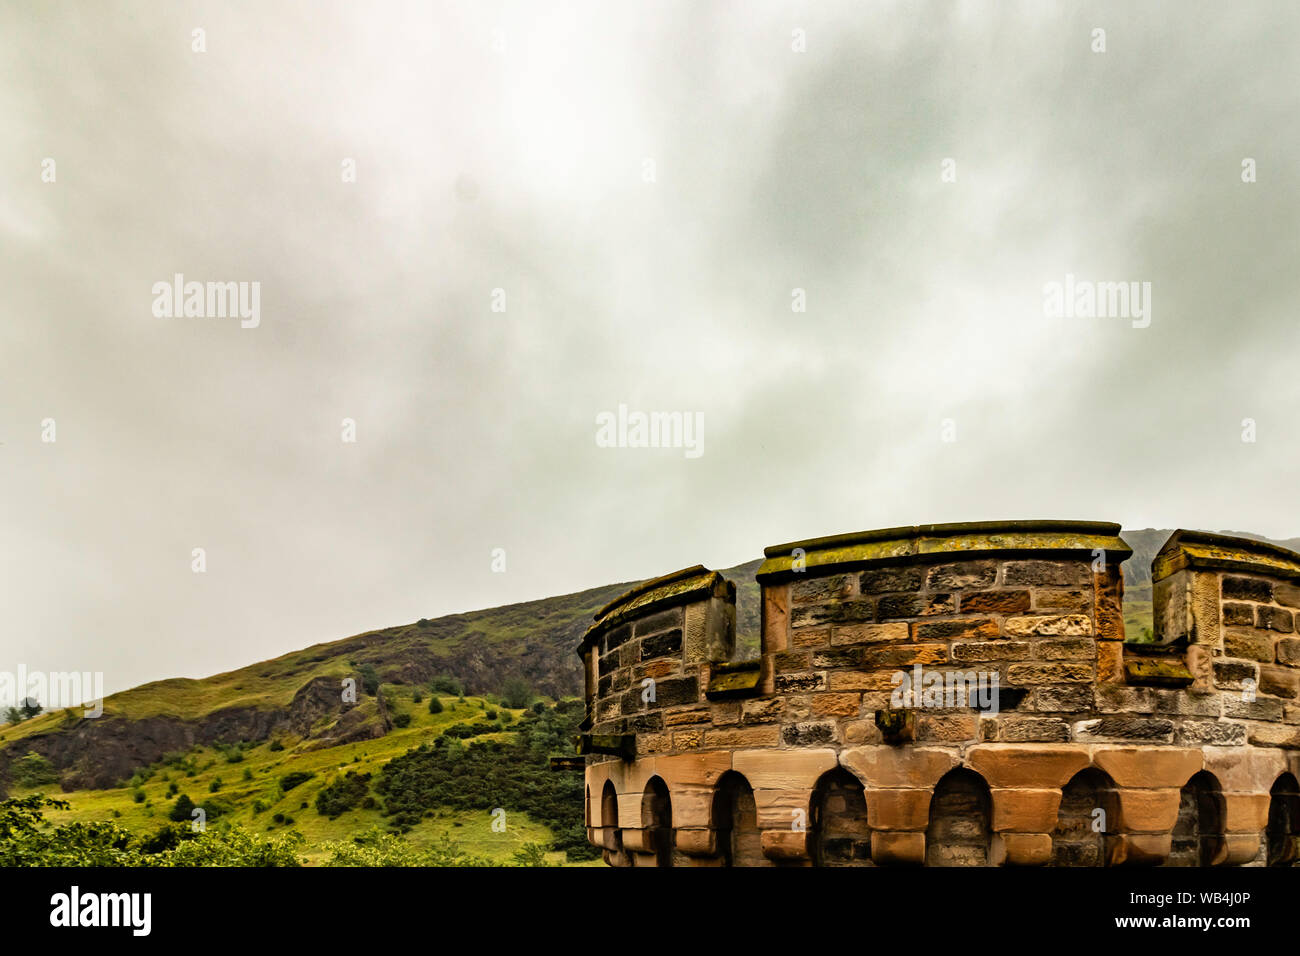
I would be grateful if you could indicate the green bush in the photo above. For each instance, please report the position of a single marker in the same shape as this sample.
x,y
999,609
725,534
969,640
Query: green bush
x,y
435,704
275,745
344,794
183,810
401,720
297,777
34,770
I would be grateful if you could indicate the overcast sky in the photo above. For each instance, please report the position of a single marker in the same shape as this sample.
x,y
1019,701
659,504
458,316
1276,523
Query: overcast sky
x,y
648,184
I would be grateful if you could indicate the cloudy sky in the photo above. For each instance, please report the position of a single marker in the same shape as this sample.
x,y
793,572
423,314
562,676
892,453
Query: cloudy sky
x,y
648,184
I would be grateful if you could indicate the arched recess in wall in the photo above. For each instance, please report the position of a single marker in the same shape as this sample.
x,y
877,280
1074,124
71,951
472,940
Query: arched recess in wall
x,y
1198,834
1283,834
959,830
735,819
1086,819
657,820
840,835
612,836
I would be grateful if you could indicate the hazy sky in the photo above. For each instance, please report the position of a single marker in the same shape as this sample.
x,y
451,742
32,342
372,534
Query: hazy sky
x,y
648,184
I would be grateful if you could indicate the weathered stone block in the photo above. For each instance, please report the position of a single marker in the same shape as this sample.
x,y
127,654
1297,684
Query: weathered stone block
x,y
966,574
1239,615
1147,810
795,683
950,727
661,645
762,735
810,637
836,705
661,621
991,651
1147,766
1046,574
1211,733
1064,672
1251,645
1125,728
808,733
993,602
1275,619
1057,600
898,809
1247,589
1064,625
895,606
1261,708
761,711
1035,729
836,612
1024,810
885,580
1074,648
1070,698
869,633
1231,675
966,630
1279,681
821,590
1286,594
1288,651
1011,766
676,691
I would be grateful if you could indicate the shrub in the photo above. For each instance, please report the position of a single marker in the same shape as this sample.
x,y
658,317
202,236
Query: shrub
x,y
416,696
343,794
491,715
443,684
435,704
369,679
137,796
34,771
517,693
402,720
183,809
291,780
275,745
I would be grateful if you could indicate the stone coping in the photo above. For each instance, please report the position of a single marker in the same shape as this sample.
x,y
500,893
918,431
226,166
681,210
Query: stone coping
x,y
1203,551
930,542
681,587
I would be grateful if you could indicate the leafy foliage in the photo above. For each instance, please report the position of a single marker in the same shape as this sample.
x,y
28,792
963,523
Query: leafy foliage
x,y
27,839
486,775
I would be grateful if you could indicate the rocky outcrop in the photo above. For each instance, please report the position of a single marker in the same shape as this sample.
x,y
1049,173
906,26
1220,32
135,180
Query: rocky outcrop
x,y
101,752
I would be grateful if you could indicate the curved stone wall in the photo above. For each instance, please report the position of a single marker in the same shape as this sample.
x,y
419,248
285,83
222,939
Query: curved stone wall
x,y
953,695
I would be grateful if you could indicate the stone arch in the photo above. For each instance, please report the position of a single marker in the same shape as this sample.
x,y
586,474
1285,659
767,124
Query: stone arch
x,y
840,834
1086,821
1283,833
657,820
735,822
1198,835
959,831
611,835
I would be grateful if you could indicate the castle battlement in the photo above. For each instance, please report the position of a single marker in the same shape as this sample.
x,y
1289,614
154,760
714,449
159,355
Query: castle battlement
x,y
957,694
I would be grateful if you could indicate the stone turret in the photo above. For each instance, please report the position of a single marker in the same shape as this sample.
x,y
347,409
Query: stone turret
x,y
952,695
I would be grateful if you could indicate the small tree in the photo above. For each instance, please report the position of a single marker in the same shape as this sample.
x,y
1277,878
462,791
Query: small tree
x,y
435,704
